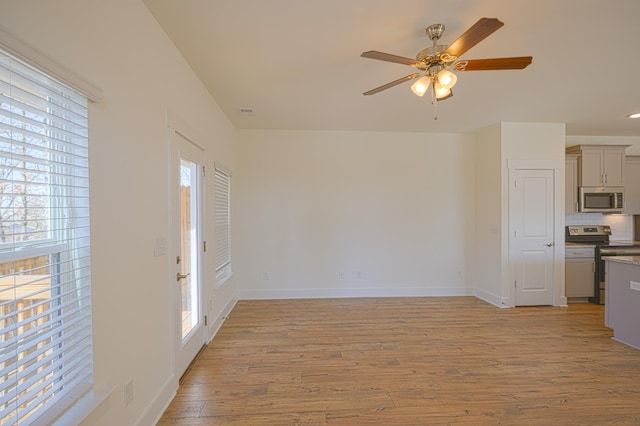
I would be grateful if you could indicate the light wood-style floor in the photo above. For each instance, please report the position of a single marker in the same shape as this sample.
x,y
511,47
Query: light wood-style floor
x,y
410,361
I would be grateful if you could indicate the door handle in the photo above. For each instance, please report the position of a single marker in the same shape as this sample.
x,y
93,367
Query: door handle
x,y
548,245
179,276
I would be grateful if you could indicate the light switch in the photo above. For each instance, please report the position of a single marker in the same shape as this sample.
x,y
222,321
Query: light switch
x,y
160,247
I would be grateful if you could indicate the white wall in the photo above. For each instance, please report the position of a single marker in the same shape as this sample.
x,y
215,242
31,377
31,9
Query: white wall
x,y
118,46
393,212
488,220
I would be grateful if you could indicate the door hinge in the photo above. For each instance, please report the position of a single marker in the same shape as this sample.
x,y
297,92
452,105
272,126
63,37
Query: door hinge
x,y
205,320
514,284
204,246
204,172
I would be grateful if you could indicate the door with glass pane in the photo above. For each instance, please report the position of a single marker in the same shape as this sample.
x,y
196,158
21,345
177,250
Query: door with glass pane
x,y
187,182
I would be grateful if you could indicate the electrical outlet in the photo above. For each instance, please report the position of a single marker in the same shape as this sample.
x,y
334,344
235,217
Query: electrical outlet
x,y
634,285
128,392
265,276
359,275
341,275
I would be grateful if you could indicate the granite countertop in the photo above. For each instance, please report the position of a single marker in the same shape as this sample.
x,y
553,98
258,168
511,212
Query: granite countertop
x,y
611,243
631,260
578,245
624,243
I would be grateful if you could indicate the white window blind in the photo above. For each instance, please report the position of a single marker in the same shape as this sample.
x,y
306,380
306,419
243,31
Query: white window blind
x,y
45,298
222,197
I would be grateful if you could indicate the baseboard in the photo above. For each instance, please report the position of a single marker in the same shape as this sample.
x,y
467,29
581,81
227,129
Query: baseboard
x,y
500,302
159,403
324,293
220,318
625,343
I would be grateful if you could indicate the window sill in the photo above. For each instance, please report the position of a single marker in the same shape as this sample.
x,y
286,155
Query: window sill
x,y
223,279
78,411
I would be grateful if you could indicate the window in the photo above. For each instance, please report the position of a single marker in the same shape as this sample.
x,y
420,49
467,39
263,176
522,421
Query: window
x,y
222,212
45,298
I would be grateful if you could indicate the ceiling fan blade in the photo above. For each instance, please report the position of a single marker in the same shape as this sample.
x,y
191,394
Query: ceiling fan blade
x,y
374,54
516,63
474,35
393,83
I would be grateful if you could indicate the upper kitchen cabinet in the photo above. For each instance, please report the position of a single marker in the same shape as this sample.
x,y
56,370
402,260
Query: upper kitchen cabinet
x,y
632,184
571,184
600,165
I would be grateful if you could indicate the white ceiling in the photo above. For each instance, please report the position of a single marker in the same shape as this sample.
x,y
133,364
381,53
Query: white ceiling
x,y
297,63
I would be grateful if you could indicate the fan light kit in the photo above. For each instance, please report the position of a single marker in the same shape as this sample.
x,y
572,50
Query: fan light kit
x,y
437,63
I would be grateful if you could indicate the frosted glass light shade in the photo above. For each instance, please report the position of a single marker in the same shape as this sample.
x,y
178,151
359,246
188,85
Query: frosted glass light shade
x,y
447,79
440,91
421,86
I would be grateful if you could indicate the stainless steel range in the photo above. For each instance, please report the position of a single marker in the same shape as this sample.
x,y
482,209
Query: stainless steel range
x,y
599,237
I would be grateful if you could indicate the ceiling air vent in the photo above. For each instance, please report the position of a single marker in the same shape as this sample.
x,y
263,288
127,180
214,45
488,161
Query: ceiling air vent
x,y
246,111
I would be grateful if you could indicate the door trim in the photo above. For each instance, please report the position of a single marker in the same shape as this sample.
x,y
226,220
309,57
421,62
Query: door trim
x,y
179,129
557,165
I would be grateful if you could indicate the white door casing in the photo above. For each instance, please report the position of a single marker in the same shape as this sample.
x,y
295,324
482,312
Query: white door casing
x,y
187,204
531,236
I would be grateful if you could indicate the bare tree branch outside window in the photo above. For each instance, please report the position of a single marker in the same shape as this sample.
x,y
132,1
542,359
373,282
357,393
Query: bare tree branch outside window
x,y
25,207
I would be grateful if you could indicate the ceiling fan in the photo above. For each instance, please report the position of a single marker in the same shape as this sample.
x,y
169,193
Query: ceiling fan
x,y
435,64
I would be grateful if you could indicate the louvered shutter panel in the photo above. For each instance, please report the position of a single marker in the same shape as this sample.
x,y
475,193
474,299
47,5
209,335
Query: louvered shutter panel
x,y
222,189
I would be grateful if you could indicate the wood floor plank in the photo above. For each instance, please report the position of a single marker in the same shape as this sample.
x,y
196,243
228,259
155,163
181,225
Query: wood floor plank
x,y
410,361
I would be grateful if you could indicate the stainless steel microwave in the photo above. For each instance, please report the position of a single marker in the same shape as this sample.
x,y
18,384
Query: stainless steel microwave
x,y
601,199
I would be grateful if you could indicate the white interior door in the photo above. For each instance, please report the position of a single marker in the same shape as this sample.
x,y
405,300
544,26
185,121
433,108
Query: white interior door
x,y
531,225
187,189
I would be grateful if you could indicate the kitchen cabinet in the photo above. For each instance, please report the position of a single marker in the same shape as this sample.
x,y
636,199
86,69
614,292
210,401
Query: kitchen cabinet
x,y
571,184
600,165
632,184
622,310
579,272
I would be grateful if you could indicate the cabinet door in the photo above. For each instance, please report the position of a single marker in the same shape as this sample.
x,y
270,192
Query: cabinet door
x,y
613,167
632,185
571,184
580,277
591,168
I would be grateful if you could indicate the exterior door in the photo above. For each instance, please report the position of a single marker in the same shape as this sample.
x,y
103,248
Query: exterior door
x,y
531,226
186,279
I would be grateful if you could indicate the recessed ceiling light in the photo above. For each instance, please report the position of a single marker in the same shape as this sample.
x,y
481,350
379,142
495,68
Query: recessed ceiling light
x,y
634,115
246,111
